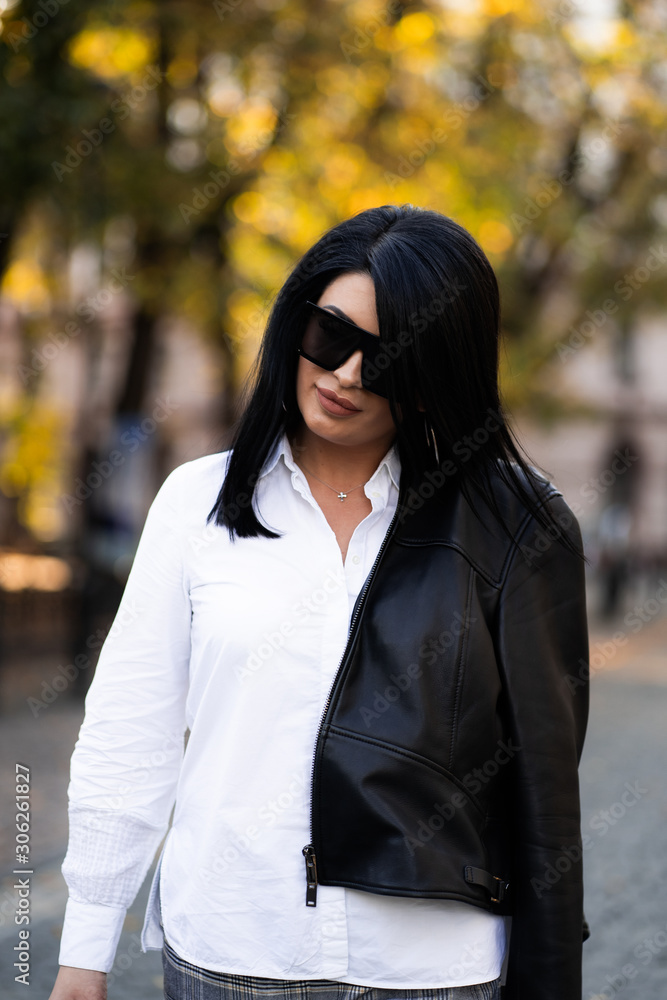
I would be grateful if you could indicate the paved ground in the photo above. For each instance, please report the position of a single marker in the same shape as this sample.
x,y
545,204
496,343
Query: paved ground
x,y
623,794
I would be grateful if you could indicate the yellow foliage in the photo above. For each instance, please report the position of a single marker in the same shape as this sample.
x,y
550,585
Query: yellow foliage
x,y
245,306
25,284
419,60
307,221
32,468
498,8
343,167
625,37
270,215
375,74
247,206
111,52
369,198
334,79
413,29
250,129
366,14
385,40
495,237
279,161
182,71
13,479
257,261
464,22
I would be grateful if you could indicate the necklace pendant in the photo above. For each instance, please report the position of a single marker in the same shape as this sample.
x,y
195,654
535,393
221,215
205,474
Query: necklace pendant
x,y
342,496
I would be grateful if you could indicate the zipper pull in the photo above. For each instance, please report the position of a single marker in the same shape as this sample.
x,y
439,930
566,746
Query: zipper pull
x,y
311,875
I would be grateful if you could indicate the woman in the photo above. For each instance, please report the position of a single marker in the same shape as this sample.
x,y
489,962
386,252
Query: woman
x,y
374,631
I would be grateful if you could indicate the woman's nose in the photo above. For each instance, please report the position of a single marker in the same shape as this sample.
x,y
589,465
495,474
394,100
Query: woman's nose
x,y
349,373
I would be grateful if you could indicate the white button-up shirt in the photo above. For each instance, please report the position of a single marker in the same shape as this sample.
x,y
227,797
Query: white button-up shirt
x,y
239,642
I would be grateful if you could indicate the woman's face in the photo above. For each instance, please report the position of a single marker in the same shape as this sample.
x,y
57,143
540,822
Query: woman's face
x,y
334,405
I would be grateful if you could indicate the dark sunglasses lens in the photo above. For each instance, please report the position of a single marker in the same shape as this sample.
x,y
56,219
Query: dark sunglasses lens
x,y
373,368
327,342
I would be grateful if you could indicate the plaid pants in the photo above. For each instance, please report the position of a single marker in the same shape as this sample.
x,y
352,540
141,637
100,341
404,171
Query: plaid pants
x,y
183,981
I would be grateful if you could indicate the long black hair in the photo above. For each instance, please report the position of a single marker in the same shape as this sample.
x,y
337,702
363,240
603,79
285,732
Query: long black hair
x,y
438,309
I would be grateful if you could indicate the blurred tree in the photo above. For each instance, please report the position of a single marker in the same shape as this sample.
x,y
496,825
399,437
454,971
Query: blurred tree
x,y
204,145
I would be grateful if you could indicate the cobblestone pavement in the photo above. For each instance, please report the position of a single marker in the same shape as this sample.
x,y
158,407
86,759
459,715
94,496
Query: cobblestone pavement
x,y
624,819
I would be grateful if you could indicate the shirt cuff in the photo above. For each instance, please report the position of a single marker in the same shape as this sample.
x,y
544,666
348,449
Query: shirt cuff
x,y
90,935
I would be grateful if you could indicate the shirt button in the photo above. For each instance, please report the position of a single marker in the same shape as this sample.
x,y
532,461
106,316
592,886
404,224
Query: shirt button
x,y
356,560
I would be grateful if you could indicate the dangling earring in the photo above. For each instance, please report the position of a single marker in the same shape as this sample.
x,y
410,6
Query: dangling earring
x,y
430,438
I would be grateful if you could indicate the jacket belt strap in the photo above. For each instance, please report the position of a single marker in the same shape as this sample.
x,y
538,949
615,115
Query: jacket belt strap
x,y
496,886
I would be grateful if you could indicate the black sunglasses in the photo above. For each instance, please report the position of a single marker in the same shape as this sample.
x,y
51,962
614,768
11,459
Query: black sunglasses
x,y
329,341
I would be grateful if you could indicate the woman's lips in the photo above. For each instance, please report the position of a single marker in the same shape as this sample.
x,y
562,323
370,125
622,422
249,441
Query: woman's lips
x,y
337,405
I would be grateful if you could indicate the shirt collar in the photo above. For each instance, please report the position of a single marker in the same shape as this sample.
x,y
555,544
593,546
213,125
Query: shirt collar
x,y
281,449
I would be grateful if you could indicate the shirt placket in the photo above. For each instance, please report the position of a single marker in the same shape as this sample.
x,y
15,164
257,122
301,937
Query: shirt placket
x,y
332,602
330,911
332,899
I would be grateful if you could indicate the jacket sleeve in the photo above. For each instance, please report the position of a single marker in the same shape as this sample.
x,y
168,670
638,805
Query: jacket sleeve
x,y
126,761
542,643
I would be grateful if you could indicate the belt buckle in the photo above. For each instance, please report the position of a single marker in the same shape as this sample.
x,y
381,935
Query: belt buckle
x,y
499,890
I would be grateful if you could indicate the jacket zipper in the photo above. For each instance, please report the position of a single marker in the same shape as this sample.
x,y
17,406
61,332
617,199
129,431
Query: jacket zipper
x,y
309,850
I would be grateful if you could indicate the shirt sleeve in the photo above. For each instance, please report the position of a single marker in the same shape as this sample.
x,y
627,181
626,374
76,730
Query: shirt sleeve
x,y
127,758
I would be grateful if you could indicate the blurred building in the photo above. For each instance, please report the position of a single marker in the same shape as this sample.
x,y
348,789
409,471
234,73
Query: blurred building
x,y
60,584
612,463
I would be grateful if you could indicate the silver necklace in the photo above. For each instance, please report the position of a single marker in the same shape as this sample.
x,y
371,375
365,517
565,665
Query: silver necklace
x,y
341,494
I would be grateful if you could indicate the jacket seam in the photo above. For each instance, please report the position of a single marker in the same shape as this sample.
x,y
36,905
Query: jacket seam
x,y
514,549
459,671
421,543
408,891
498,582
411,756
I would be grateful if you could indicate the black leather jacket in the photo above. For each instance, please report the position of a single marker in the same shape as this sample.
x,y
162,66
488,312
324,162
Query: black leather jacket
x,y
446,761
